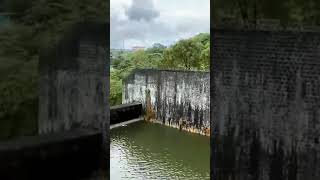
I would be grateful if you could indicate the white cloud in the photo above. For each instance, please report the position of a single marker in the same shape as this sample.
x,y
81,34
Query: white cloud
x,y
144,22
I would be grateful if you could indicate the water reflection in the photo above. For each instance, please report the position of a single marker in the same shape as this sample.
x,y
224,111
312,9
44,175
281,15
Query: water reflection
x,y
151,151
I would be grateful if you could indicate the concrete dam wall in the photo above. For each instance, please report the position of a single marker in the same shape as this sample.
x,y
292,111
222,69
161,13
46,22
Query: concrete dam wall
x,y
265,89
175,98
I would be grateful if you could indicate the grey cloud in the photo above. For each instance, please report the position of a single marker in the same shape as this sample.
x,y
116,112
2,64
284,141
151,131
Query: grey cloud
x,y
165,29
138,30
155,31
190,24
142,10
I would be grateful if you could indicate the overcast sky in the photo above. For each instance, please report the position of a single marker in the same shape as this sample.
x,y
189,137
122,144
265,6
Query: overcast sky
x,y
145,22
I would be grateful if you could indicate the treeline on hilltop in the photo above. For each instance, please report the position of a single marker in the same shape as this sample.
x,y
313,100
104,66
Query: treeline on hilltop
x,y
186,54
32,25
250,11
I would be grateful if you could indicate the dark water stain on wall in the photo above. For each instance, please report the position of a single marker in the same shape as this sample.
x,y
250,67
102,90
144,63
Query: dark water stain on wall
x,y
176,98
265,104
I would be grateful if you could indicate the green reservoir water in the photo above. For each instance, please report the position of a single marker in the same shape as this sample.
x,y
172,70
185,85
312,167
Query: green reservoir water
x,y
145,150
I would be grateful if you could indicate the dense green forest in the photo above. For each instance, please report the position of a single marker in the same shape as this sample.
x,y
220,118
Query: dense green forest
x,y
30,26
186,54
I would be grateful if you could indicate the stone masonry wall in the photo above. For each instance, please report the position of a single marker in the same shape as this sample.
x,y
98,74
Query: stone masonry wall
x,y
265,89
175,98
74,79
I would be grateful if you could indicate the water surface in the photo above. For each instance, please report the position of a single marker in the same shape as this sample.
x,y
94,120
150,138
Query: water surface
x,y
145,150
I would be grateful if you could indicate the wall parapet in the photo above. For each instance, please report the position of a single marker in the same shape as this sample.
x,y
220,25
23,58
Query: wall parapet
x,y
125,112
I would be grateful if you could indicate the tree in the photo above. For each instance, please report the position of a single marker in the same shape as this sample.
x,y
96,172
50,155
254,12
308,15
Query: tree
x,y
185,55
115,95
205,57
167,62
156,48
202,38
116,60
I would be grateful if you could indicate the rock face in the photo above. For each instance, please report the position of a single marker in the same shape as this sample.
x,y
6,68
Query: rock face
x,y
265,89
175,98
74,80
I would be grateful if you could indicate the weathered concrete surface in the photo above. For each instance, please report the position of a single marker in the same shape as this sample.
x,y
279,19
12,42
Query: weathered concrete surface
x,y
125,112
265,89
74,80
175,98
68,155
